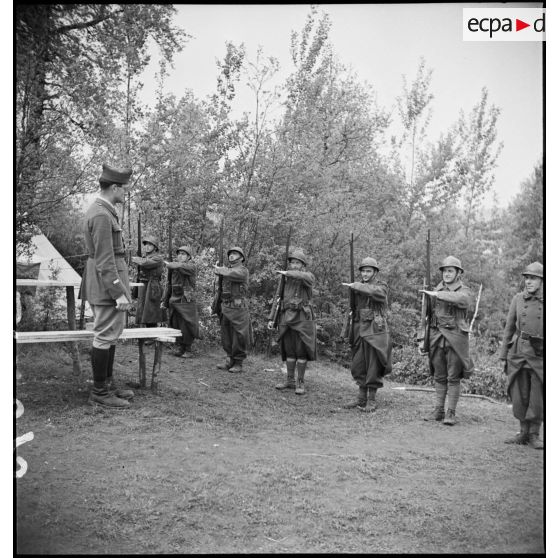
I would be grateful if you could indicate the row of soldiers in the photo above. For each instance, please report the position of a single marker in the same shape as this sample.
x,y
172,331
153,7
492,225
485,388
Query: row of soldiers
x,y
106,287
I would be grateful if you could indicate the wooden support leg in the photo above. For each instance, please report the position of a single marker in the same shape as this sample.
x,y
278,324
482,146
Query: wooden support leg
x,y
71,313
156,365
142,380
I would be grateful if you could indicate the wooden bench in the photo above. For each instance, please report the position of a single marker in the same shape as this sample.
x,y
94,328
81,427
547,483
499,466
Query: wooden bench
x,y
159,334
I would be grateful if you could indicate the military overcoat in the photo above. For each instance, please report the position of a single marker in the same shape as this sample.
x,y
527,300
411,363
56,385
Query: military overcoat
x,y
524,335
370,323
149,296
297,312
449,320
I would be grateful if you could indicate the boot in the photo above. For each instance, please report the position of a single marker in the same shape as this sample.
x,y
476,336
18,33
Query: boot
x,y
226,365
449,418
236,367
100,395
187,354
111,386
178,351
453,398
361,401
534,441
290,382
522,437
300,369
370,404
438,412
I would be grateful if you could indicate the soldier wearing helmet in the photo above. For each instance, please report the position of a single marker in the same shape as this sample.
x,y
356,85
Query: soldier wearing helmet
x,y
179,298
236,329
523,352
449,339
297,324
151,269
369,337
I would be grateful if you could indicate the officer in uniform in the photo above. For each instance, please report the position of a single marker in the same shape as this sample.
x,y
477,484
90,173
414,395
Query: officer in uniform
x,y
236,331
179,298
105,284
369,338
523,351
151,268
297,324
449,339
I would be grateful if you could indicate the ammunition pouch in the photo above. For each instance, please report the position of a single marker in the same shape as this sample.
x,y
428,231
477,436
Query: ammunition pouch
x,y
366,314
236,302
447,322
177,290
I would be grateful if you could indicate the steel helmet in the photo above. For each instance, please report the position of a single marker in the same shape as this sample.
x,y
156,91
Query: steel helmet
x,y
451,261
298,254
535,268
369,262
186,249
151,240
236,249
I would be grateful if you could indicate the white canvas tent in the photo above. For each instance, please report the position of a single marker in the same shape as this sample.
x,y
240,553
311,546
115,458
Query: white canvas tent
x,y
51,266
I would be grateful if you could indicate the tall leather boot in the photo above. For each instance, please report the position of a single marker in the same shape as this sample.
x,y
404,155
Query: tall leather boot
x,y
300,370
361,400
523,437
453,398
236,367
290,382
370,404
534,441
99,393
438,412
111,385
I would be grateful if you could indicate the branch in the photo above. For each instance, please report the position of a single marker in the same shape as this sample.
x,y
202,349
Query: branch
x,y
86,24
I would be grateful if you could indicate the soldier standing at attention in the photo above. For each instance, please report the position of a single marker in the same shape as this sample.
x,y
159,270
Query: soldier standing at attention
x,y
151,268
297,325
523,351
449,339
369,338
105,284
179,298
236,331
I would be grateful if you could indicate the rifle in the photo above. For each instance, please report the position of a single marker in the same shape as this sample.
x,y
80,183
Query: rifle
x,y
348,324
216,305
135,290
274,314
426,305
168,290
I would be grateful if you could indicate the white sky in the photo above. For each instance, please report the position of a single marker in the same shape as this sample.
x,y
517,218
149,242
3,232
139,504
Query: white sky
x,y
383,42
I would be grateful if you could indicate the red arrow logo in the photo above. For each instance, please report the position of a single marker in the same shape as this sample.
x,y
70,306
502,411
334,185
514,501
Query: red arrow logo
x,y
519,25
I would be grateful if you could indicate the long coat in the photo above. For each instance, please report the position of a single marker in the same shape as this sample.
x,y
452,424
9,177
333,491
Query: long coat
x,y
525,315
297,312
149,296
449,322
105,277
234,305
370,324
179,296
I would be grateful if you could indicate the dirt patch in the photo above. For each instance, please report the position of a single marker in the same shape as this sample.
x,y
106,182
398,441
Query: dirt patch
x,y
218,462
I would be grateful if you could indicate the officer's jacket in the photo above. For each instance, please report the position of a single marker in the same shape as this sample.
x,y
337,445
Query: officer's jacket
x,y
297,296
450,307
235,286
524,333
106,272
151,267
183,282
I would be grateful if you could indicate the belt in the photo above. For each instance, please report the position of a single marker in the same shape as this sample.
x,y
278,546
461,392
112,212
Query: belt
x,y
527,336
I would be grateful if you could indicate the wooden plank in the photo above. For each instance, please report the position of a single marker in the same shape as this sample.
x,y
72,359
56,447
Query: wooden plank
x,y
42,283
84,335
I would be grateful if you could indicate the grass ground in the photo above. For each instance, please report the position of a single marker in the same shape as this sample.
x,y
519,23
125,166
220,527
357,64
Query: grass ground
x,y
218,462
